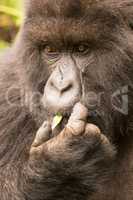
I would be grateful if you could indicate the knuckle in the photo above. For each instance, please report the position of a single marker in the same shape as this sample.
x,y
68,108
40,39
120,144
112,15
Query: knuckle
x,y
104,139
76,127
92,129
35,150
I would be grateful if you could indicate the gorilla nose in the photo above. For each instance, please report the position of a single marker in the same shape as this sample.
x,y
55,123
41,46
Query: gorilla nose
x,y
61,86
60,95
62,90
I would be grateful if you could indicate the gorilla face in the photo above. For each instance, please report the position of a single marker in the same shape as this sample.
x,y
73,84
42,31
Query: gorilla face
x,y
63,88
77,53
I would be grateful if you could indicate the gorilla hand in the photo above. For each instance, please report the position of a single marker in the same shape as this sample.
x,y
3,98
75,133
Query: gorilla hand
x,y
72,164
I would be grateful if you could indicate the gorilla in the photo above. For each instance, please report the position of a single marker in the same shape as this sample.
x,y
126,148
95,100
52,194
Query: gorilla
x,y
73,58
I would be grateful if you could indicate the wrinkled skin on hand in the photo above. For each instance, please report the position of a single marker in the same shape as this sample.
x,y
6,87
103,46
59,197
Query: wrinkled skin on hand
x,y
75,161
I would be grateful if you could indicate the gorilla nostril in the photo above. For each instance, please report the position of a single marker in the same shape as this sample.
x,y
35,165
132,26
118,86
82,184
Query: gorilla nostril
x,y
66,88
53,86
61,87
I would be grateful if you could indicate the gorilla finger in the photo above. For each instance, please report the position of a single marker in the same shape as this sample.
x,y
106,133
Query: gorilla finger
x,y
76,122
80,112
43,134
76,127
56,144
92,129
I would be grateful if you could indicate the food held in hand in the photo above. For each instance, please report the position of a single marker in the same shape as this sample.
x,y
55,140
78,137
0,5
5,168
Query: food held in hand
x,y
56,120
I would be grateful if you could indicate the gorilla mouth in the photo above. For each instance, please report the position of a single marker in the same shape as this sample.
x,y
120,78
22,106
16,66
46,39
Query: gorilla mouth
x,y
94,117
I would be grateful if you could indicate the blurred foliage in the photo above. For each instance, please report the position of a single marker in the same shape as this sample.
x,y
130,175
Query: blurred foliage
x,y
10,20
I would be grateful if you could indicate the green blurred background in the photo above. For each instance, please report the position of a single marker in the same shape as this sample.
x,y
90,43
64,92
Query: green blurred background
x,y
10,20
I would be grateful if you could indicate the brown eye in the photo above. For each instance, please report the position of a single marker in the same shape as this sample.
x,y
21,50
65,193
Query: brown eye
x,y
50,50
82,49
50,53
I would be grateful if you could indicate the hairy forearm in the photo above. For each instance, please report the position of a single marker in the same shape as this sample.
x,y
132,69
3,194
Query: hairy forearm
x,y
11,182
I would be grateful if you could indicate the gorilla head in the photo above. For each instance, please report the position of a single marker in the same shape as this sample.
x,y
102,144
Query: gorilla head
x,y
78,51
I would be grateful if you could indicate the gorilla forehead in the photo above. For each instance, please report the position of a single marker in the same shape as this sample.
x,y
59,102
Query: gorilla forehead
x,y
84,10
87,19
69,8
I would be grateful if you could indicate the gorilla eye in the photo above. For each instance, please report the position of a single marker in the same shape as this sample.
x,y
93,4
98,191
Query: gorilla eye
x,y
50,50
82,49
50,53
